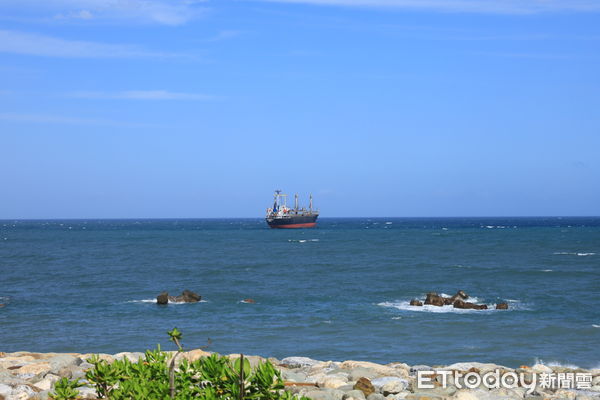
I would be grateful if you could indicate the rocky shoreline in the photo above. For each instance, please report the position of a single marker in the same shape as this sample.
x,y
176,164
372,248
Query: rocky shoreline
x,y
25,375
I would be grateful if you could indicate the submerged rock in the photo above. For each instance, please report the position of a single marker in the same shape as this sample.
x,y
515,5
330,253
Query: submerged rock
x,y
415,302
502,306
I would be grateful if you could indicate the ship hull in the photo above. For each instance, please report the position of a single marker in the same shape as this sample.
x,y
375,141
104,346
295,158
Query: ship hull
x,y
294,226
293,222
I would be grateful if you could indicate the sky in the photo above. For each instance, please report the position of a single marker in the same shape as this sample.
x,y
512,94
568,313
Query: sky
x,y
379,108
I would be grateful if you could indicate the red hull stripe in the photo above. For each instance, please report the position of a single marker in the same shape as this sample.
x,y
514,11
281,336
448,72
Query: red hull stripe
x,y
307,225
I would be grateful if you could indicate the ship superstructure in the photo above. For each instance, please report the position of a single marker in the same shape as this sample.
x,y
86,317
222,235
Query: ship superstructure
x,y
282,216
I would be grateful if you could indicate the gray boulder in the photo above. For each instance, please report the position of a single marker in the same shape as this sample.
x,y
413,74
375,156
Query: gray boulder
x,y
355,394
5,390
63,361
298,362
361,372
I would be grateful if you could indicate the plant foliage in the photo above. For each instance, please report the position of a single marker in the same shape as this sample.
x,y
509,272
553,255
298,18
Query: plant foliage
x,y
155,377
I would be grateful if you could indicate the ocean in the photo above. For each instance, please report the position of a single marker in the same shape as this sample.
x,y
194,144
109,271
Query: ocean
x,y
336,292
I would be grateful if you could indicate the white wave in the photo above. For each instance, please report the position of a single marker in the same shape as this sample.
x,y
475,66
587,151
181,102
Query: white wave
x,y
596,326
154,301
396,317
405,306
302,240
470,298
388,223
546,270
573,253
556,364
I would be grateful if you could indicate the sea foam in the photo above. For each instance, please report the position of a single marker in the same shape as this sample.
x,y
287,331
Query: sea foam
x,y
405,306
580,254
557,364
154,301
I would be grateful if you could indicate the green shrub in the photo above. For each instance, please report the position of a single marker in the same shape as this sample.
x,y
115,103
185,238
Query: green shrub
x,y
153,377
65,389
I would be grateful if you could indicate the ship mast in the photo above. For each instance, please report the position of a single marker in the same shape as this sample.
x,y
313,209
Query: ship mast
x,y
296,202
276,200
310,203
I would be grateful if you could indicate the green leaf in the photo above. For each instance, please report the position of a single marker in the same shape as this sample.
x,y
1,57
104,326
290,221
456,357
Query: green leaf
x,y
247,368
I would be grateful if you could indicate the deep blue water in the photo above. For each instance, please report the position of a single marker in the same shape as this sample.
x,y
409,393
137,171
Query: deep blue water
x,y
337,292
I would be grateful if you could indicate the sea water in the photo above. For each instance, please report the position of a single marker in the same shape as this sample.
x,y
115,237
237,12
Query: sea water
x,y
339,291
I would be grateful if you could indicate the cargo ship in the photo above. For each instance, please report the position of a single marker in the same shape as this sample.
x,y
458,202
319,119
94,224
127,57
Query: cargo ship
x,y
281,216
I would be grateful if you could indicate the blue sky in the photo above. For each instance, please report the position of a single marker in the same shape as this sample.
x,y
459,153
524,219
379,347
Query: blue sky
x,y
167,108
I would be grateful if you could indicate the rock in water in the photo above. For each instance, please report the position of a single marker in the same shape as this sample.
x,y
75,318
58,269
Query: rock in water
x,y
187,296
162,298
461,304
502,306
190,297
415,302
434,299
365,386
469,306
460,295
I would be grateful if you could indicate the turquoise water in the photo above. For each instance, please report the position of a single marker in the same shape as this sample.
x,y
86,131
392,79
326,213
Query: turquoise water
x,y
337,292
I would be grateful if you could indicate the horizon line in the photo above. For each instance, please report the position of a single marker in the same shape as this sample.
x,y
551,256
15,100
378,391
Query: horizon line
x,y
320,218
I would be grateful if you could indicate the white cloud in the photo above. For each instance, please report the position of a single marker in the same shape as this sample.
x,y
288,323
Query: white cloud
x,y
166,12
476,6
41,45
81,14
142,95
